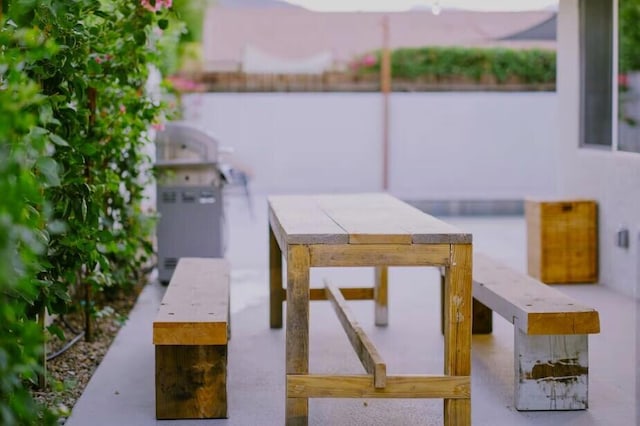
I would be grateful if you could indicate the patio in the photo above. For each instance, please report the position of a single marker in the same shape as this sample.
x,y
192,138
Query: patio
x,y
122,389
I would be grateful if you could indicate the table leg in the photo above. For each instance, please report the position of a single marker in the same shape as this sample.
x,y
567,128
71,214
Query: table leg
x,y
457,329
380,295
275,282
297,328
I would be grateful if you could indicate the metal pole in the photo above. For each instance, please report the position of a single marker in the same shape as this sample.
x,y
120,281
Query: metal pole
x,y
385,86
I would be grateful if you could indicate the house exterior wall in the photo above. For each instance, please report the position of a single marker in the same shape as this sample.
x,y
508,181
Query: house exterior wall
x,y
611,178
443,146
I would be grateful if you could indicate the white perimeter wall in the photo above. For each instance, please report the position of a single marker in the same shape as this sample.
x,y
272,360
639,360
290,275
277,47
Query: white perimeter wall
x,y
612,178
443,145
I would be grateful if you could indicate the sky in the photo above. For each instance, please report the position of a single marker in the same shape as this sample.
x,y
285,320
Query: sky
x,y
398,5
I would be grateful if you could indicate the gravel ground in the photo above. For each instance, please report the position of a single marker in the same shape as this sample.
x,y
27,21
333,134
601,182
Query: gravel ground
x,y
69,373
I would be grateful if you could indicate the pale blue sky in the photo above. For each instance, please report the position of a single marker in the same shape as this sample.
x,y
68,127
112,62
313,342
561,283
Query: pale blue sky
x,y
397,5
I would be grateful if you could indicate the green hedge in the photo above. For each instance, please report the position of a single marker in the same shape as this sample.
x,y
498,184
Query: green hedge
x,y
629,35
474,64
25,170
74,117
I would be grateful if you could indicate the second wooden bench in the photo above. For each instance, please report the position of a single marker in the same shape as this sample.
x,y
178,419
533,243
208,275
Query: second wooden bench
x,y
190,332
551,356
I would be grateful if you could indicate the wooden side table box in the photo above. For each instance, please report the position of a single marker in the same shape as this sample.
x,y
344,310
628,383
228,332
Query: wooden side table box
x,y
562,240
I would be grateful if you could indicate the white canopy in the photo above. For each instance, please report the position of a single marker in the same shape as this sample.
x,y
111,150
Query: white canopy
x,y
257,61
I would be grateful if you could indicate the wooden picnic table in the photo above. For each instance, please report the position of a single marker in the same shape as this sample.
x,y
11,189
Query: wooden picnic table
x,y
367,230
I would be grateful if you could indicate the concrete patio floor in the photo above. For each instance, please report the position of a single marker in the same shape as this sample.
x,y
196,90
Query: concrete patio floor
x,y
122,390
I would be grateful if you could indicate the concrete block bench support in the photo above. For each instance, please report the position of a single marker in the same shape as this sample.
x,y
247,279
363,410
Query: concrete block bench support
x,y
190,332
551,371
551,355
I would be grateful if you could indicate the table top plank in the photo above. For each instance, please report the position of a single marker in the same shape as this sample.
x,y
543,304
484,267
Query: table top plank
x,y
303,222
369,218
426,229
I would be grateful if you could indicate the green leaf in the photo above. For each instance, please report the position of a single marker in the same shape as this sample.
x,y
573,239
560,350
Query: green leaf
x,y
61,293
49,169
38,131
58,140
140,37
57,227
83,207
88,149
102,14
46,114
163,24
56,331
4,359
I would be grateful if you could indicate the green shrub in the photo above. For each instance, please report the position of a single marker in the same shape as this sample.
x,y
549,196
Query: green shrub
x,y
25,169
95,93
74,116
629,35
473,64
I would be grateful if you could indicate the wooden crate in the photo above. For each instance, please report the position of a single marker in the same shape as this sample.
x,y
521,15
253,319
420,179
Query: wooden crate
x,y
562,240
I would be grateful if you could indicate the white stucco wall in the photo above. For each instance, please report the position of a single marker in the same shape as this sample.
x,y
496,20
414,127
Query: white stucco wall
x,y
443,145
297,142
612,178
473,145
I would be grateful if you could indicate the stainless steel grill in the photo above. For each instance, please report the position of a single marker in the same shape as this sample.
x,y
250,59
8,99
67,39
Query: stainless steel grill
x,y
189,200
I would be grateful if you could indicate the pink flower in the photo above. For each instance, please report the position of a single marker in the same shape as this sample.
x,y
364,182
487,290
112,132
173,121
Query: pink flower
x,y
123,109
369,60
102,58
623,80
159,126
159,4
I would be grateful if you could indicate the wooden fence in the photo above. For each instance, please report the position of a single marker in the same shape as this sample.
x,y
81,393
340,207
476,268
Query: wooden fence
x,y
348,82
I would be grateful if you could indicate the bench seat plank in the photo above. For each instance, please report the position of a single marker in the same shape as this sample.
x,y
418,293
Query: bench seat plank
x,y
195,307
539,309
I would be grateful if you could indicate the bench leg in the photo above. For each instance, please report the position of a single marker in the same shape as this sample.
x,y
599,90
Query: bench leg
x,y
482,318
482,315
380,295
191,382
275,282
551,371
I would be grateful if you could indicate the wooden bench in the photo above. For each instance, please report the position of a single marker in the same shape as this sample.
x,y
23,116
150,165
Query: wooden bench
x,y
190,332
551,329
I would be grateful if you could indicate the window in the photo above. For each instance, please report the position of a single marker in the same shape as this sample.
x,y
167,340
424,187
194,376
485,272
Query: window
x,y
629,75
596,53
